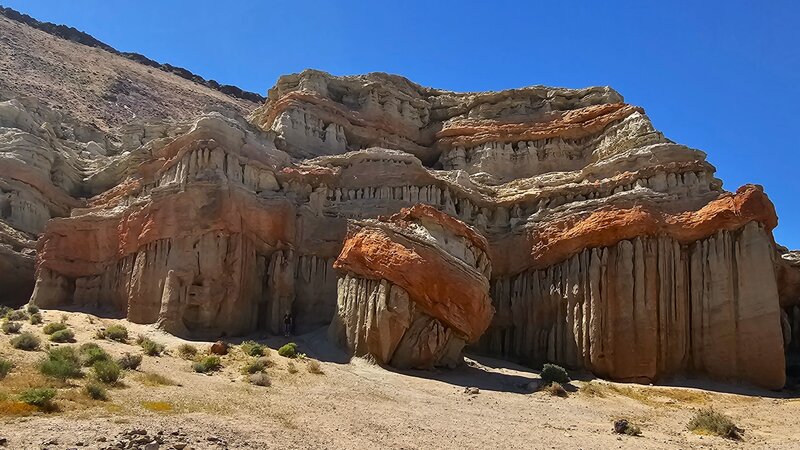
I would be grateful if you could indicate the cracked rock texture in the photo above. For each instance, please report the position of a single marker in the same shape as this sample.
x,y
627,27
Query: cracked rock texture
x,y
602,244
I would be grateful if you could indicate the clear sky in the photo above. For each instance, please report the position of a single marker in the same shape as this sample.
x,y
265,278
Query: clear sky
x,y
721,76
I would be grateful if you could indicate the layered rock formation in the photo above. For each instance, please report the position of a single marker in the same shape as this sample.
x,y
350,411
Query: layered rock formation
x,y
612,248
415,289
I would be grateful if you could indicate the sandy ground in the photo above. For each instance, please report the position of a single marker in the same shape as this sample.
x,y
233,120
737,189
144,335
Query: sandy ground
x,y
359,405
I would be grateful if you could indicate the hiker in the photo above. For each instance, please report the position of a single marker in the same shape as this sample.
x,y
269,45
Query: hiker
x,y
287,324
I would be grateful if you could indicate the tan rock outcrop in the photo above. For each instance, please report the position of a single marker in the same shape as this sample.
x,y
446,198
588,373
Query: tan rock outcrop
x,y
415,289
603,235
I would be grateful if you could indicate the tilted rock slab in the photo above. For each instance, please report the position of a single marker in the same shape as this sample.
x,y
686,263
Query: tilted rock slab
x,y
612,248
414,291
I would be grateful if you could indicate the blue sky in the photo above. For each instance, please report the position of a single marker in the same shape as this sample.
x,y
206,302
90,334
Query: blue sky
x,y
721,76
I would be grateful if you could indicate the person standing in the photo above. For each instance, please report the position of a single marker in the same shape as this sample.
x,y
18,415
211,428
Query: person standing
x,y
287,324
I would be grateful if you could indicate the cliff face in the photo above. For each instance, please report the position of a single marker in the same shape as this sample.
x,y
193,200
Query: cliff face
x,y
602,244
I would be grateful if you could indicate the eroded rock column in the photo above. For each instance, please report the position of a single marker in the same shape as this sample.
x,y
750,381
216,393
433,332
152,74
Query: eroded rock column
x,y
414,289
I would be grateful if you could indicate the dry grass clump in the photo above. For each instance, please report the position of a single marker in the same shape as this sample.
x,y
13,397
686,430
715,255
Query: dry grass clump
x,y
158,406
95,391
593,389
150,347
5,367
187,351
36,318
260,379
154,379
291,368
129,361
26,341
556,389
622,426
10,327
709,421
313,366
257,365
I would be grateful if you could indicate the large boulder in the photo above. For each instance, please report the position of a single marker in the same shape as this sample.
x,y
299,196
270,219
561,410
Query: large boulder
x,y
414,289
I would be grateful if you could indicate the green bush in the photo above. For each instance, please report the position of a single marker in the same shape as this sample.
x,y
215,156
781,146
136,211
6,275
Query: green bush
x,y
40,397
96,391
713,422
187,351
36,318
91,353
31,308
289,350
63,336
106,371
4,310
52,327
5,367
61,363
17,314
252,348
552,373
9,327
150,347
116,333
129,361
207,364
25,341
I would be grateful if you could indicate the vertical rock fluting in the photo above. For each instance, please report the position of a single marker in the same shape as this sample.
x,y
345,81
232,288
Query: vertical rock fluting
x,y
414,290
649,307
612,248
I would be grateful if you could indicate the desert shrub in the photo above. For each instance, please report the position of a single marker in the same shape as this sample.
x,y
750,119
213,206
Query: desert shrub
x,y
260,379
52,327
5,367
31,308
129,361
257,365
552,373
90,353
25,341
289,350
556,389
713,422
61,363
622,426
17,314
187,351
41,397
36,318
63,336
116,333
95,391
9,327
150,347
207,364
593,389
252,348
107,371
313,366
291,368
154,379
4,310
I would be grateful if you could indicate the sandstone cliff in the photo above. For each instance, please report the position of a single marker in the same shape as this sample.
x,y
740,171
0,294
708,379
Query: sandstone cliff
x,y
612,248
